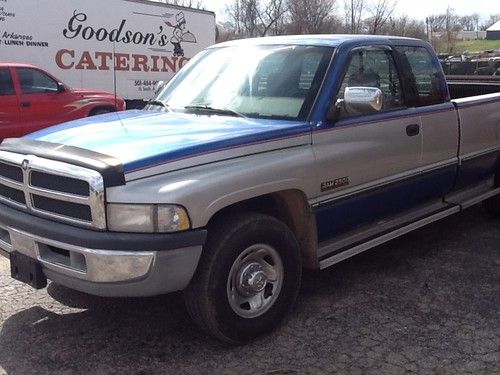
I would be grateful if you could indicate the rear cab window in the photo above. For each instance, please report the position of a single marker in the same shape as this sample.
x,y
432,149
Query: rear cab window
x,y
423,76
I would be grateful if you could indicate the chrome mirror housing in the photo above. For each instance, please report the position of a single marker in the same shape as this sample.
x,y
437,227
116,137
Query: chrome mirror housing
x,y
363,100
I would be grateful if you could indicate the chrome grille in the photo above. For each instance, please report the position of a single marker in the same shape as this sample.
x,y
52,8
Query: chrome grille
x,y
49,188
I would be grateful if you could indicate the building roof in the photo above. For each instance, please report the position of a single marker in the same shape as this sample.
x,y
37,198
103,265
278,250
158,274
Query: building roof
x,y
494,27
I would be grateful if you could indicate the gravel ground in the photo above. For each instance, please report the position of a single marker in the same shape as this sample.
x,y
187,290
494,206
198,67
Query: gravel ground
x,y
427,302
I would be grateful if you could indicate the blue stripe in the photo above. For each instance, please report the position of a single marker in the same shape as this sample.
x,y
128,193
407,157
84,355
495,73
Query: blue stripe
x,y
217,146
342,216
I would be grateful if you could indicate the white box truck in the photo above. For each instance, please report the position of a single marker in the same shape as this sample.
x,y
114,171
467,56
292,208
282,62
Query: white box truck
x,y
122,46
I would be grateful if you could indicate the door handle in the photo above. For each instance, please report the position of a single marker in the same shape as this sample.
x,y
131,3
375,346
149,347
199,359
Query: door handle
x,y
412,130
25,104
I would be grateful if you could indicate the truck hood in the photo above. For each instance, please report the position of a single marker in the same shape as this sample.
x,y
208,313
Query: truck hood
x,y
142,139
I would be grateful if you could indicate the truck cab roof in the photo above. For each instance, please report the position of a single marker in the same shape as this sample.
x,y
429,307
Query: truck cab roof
x,y
327,40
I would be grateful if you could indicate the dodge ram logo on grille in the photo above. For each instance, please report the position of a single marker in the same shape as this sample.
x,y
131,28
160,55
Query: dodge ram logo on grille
x,y
24,164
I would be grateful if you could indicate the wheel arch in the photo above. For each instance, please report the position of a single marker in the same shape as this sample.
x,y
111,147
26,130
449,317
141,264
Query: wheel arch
x,y
289,206
96,110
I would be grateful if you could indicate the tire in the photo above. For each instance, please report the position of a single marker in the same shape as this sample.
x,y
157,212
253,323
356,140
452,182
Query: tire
x,y
100,111
492,206
232,297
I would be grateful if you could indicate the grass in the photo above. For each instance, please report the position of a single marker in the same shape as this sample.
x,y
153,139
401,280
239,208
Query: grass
x,y
477,45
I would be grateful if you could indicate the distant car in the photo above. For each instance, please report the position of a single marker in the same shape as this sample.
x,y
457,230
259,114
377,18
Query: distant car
x,y
32,99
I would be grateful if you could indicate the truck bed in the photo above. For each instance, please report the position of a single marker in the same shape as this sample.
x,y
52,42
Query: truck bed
x,y
465,86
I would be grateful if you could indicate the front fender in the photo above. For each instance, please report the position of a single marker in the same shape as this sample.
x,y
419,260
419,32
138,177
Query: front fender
x,y
204,190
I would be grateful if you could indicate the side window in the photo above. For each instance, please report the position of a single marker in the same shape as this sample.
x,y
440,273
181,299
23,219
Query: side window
x,y
426,78
373,67
35,82
6,84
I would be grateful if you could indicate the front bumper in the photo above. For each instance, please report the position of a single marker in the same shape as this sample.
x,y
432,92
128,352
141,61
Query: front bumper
x,y
103,263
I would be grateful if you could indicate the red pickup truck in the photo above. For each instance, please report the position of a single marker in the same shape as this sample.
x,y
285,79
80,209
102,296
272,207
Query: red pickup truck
x,y
32,99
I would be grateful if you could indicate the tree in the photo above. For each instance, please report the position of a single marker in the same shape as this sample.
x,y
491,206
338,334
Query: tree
x,y
451,27
404,26
272,17
235,15
468,23
381,12
310,16
494,18
244,17
436,22
475,18
197,4
354,10
444,28
249,18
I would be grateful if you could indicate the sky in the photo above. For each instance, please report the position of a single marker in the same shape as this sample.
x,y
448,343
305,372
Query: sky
x,y
418,9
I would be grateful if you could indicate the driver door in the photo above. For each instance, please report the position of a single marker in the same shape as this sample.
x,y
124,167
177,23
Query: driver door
x,y
367,162
41,102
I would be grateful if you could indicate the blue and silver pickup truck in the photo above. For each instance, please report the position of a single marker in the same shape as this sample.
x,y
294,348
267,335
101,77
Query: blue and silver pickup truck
x,y
261,157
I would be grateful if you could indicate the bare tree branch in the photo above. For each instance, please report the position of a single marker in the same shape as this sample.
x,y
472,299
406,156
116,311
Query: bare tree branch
x,y
381,11
272,15
310,17
354,11
197,4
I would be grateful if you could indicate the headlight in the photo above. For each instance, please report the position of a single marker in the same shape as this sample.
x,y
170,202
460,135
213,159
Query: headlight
x,y
148,218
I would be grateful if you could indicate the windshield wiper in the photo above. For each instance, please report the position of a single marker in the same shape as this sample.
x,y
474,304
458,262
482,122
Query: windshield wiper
x,y
158,103
218,111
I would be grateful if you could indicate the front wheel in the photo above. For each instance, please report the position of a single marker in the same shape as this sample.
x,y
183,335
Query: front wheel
x,y
248,278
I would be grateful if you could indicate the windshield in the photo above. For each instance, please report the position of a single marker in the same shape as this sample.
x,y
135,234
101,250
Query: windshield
x,y
255,81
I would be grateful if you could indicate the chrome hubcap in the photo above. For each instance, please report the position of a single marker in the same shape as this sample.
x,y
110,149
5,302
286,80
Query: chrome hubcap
x,y
255,280
252,279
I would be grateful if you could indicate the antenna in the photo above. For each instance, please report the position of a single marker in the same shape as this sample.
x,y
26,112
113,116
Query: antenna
x,y
114,72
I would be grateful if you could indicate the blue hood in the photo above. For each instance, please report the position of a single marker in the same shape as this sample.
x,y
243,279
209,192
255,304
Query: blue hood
x,y
142,138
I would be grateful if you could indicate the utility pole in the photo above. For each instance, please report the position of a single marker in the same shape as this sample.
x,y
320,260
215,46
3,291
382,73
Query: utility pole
x,y
427,28
352,16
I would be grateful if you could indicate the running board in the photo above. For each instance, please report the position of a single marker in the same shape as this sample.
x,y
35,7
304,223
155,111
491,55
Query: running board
x,y
385,237
477,199
334,247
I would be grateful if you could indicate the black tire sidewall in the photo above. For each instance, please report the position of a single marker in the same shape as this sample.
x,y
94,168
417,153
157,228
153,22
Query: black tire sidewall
x,y
99,111
265,230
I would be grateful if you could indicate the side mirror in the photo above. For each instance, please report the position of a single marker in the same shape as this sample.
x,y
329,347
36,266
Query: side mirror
x,y
61,87
363,100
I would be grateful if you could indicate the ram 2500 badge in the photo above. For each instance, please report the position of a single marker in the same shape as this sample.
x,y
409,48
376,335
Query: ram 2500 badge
x,y
259,158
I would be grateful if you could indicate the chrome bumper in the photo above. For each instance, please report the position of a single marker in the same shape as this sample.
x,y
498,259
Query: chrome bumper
x,y
87,264
105,272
